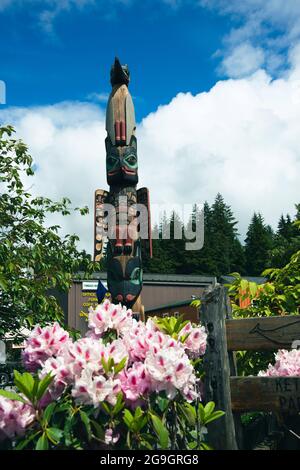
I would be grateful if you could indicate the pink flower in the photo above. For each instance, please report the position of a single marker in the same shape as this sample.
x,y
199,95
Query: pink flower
x,y
141,338
287,363
110,438
108,316
62,377
135,382
91,389
169,369
85,353
195,343
15,416
116,350
44,343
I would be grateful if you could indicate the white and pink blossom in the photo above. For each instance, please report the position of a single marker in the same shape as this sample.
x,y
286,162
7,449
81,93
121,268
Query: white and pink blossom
x,y
169,369
287,363
108,316
110,437
15,416
135,382
62,374
195,341
116,350
85,353
91,389
44,343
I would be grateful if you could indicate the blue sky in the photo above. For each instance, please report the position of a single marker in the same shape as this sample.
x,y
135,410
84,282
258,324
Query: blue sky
x,y
216,87
169,50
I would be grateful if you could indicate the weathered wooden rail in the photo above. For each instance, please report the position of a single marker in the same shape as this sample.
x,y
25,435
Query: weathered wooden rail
x,y
235,394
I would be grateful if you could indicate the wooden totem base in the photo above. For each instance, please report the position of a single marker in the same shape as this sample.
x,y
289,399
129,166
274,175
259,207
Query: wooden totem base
x,y
138,309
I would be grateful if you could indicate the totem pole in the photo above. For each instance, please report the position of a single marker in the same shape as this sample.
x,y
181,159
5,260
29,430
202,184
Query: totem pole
x,y
122,227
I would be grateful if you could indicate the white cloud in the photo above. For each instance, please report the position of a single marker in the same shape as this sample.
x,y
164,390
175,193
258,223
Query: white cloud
x,y
273,25
241,138
67,143
2,92
243,60
98,97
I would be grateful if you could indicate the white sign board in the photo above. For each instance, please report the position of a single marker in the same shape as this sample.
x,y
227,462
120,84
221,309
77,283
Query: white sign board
x,y
92,285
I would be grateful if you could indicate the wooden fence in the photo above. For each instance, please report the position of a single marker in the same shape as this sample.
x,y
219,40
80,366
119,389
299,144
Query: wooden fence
x,y
234,394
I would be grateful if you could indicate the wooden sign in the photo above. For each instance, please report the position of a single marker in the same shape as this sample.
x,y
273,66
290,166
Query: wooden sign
x,y
281,394
262,334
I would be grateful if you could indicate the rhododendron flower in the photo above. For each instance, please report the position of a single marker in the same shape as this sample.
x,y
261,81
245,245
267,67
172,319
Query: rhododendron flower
x,y
195,342
116,350
287,363
170,369
44,343
93,389
135,382
154,361
107,316
110,438
15,416
142,337
85,353
62,377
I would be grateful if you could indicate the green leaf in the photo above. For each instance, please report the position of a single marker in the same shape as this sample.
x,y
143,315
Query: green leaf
x,y
189,412
42,443
128,440
147,445
128,418
201,412
43,385
120,366
209,408
163,403
86,421
23,385
204,446
192,445
110,363
99,431
119,404
35,386
25,442
161,431
138,412
12,396
105,408
214,416
105,365
68,430
28,381
48,412
54,435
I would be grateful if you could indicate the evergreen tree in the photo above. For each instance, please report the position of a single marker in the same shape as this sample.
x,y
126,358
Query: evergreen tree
x,y
226,248
286,240
258,243
203,261
193,260
167,250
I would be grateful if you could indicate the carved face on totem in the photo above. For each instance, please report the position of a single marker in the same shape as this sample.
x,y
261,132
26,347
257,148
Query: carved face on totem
x,y
121,163
124,276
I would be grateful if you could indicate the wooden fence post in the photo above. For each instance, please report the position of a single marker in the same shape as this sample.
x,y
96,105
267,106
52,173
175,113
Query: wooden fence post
x,y
239,433
217,369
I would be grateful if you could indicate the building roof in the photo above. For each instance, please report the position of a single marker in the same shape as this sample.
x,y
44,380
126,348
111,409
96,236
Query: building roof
x,y
170,305
256,279
149,278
